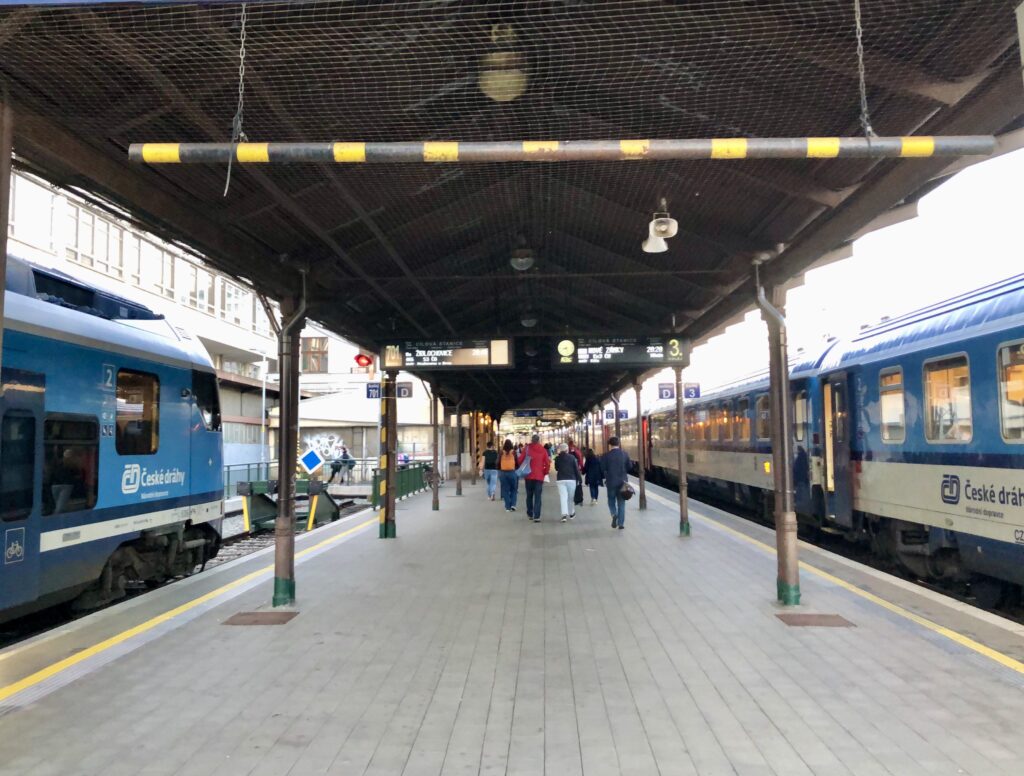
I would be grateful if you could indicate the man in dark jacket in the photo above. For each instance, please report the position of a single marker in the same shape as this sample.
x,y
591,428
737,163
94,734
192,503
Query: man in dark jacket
x,y
615,464
540,465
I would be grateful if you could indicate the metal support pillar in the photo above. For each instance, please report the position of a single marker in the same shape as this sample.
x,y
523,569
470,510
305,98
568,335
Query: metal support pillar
x,y
388,452
474,443
1020,35
684,504
6,149
788,581
618,423
435,475
641,449
293,318
458,448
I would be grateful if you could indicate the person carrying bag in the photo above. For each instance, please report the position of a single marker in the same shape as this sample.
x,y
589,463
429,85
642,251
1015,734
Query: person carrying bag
x,y
508,477
615,464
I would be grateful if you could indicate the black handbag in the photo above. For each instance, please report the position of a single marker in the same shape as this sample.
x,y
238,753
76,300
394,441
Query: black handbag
x,y
578,498
627,491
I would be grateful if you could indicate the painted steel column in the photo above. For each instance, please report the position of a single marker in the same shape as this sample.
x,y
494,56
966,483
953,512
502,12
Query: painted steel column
x,y
618,423
1020,35
788,581
435,479
388,452
293,319
458,447
684,504
6,149
474,442
641,450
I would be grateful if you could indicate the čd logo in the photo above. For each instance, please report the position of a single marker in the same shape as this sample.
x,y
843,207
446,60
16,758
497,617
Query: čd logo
x,y
950,489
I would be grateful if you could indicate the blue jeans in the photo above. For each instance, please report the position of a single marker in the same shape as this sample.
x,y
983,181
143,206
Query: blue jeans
x,y
617,505
533,494
593,490
491,478
509,488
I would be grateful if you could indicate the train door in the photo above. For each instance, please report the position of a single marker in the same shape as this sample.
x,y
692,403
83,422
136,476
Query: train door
x,y
205,445
21,443
838,477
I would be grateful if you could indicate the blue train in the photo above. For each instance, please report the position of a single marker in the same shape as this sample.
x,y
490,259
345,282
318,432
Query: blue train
x,y
908,437
110,446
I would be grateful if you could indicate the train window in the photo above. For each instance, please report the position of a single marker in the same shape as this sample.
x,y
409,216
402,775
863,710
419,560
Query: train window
x,y
17,465
1011,391
724,430
800,416
947,400
71,445
763,417
741,424
890,391
204,391
705,424
138,413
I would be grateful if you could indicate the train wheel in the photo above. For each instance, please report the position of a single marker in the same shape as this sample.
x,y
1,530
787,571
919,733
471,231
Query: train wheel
x,y
989,593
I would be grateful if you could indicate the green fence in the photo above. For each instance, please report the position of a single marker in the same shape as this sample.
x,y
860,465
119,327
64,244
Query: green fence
x,y
409,478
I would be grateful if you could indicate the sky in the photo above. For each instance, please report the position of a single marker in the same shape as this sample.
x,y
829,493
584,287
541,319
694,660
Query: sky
x,y
967,234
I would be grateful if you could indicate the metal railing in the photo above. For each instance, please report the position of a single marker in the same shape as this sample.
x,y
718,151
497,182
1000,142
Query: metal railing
x,y
409,478
354,471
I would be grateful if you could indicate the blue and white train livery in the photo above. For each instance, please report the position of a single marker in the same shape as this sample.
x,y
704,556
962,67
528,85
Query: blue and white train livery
x,y
909,436
110,445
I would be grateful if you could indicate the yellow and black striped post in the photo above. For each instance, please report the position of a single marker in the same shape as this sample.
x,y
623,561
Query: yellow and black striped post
x,y
388,448
563,150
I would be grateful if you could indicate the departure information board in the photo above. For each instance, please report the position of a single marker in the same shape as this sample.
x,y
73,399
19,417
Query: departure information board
x,y
667,350
448,354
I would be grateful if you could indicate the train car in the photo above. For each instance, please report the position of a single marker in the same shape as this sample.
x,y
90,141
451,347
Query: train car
x,y
110,446
906,437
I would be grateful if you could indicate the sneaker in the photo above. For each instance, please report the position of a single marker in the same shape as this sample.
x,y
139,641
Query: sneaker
x,y
613,522
572,515
621,527
536,519
511,509
564,518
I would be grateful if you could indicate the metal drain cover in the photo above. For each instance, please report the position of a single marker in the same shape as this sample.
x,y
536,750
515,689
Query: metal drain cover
x,y
815,621
260,618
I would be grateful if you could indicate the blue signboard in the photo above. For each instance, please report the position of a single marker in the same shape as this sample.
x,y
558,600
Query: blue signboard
x,y
691,391
403,390
623,414
529,413
609,414
666,391
373,390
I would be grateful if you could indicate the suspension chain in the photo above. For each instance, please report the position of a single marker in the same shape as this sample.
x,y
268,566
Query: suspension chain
x,y
865,116
237,134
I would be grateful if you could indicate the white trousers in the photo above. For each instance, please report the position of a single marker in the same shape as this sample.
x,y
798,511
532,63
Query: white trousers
x,y
566,491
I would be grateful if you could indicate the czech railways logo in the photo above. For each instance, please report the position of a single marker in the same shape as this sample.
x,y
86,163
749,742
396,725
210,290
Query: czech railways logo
x,y
131,479
14,545
950,489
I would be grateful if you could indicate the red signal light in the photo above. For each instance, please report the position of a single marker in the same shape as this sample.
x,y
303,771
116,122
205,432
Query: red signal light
x,y
363,360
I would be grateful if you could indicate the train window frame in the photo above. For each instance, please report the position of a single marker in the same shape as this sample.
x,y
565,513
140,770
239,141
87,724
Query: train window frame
x,y
926,407
92,444
21,513
800,424
999,380
740,427
155,431
757,417
213,423
884,389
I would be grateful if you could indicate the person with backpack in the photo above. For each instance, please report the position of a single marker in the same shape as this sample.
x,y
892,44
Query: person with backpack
x,y
593,473
540,465
507,476
567,475
349,463
615,464
490,470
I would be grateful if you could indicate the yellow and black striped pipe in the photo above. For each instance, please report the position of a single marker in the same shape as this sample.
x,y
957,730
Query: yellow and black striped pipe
x,y
564,150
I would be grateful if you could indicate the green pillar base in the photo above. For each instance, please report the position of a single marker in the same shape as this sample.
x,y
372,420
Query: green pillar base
x,y
788,595
387,530
284,592
684,528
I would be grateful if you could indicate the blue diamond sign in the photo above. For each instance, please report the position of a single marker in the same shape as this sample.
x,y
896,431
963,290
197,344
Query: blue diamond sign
x,y
311,460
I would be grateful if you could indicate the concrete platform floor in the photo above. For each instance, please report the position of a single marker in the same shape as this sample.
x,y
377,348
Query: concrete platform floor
x,y
480,643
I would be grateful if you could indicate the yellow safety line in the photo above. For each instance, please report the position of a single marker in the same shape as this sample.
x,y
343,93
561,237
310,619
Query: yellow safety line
x,y
942,630
62,665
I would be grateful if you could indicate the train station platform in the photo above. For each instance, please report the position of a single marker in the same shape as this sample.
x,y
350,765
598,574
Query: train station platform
x,y
477,642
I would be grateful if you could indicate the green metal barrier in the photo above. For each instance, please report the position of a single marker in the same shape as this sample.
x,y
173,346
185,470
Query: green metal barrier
x,y
409,478
259,510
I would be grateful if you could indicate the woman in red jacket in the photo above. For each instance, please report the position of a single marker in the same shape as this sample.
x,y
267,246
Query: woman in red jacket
x,y
540,465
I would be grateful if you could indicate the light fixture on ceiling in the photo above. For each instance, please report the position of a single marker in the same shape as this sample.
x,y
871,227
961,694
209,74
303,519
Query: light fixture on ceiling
x,y
529,319
522,259
502,69
662,226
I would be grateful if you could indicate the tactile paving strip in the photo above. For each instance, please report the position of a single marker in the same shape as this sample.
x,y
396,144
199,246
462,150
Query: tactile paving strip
x,y
815,620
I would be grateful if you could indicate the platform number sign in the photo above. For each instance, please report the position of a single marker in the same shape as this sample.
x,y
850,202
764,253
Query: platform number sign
x,y
403,390
691,391
609,414
666,391
109,375
311,460
623,414
373,390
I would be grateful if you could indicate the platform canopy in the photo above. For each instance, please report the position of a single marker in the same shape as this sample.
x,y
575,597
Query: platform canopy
x,y
422,251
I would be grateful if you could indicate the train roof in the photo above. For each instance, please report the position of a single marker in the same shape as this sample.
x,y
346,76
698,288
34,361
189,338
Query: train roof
x,y
48,303
992,308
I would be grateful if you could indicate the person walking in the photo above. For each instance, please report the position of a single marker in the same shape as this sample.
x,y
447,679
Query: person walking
x,y
593,473
490,470
575,451
349,463
567,476
615,464
507,476
540,465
